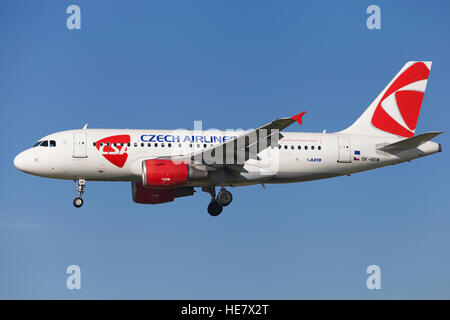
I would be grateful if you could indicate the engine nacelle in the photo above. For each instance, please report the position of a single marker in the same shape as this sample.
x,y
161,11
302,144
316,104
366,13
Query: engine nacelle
x,y
159,173
154,196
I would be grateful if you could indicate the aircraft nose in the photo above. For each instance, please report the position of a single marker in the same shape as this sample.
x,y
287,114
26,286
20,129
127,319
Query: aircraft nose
x,y
20,162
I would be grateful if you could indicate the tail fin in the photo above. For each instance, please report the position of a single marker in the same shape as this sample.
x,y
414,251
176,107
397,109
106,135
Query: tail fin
x,y
396,109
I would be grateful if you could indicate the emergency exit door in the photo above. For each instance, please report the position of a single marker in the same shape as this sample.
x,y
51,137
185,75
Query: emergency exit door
x,y
79,145
344,151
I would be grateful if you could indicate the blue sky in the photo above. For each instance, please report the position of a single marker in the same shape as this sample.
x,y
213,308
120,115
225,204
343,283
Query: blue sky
x,y
231,64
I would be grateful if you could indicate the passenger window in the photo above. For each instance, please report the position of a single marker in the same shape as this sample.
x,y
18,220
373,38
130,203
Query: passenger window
x,y
162,145
156,144
149,144
128,144
142,144
44,143
312,147
299,147
285,147
179,145
190,145
292,147
205,145
319,147
135,144
52,143
169,145
306,147
94,144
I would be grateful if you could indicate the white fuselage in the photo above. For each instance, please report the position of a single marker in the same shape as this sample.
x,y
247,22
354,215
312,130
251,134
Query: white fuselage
x,y
301,156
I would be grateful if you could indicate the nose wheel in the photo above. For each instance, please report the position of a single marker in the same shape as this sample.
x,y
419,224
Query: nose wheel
x,y
216,204
78,201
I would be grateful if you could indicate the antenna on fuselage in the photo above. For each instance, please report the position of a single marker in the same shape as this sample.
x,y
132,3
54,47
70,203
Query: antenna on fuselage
x,y
85,127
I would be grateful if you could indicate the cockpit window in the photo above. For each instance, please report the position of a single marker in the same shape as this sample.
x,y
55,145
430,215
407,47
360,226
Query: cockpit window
x,y
45,143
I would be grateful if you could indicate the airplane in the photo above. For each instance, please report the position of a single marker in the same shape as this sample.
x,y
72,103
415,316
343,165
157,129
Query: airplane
x,y
166,164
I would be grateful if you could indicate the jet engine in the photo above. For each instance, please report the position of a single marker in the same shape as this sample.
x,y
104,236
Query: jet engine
x,y
154,196
160,173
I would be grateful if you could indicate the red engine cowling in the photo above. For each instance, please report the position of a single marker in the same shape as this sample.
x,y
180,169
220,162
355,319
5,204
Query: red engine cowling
x,y
158,173
154,196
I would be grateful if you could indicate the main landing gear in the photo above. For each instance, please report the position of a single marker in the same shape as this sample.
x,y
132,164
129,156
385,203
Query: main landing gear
x,y
78,201
214,208
223,199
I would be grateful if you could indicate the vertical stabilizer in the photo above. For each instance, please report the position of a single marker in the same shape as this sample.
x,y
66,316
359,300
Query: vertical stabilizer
x,y
396,109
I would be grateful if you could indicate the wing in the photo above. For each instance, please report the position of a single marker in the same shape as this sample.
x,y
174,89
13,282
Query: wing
x,y
243,147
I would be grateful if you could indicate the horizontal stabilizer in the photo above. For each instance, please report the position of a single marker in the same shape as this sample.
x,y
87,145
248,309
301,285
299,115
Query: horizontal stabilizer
x,y
410,143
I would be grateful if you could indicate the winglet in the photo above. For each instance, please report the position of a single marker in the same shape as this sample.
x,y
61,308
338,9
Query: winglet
x,y
298,117
85,127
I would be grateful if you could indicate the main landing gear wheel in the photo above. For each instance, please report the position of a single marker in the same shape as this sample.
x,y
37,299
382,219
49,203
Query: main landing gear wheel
x,y
216,205
214,208
224,197
78,202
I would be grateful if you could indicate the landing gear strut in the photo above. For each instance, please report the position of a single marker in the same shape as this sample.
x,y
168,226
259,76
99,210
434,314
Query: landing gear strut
x,y
216,205
78,201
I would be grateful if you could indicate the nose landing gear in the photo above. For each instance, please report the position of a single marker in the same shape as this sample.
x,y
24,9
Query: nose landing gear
x,y
78,201
216,205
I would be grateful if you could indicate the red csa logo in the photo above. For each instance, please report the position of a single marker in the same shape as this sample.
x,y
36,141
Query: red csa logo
x,y
398,110
114,149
